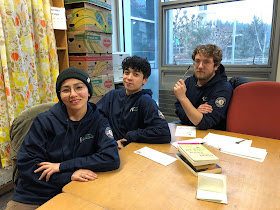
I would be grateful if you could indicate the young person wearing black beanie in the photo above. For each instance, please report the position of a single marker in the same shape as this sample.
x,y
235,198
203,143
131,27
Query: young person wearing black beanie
x,y
70,141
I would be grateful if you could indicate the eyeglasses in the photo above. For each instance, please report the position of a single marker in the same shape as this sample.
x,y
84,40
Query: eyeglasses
x,y
78,89
204,62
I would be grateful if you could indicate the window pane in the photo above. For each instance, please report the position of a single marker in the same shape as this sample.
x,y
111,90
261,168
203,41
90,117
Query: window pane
x,y
143,39
241,28
142,9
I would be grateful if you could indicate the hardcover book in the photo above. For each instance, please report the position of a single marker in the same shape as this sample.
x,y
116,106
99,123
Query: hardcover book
x,y
197,154
214,169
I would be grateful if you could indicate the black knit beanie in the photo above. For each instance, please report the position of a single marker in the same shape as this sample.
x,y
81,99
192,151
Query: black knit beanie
x,y
73,73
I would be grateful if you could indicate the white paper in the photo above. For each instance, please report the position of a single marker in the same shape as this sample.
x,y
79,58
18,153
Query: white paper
x,y
212,187
156,156
58,18
218,141
197,140
185,131
252,153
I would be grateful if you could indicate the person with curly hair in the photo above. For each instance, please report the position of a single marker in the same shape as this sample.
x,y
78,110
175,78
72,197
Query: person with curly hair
x,y
132,113
203,99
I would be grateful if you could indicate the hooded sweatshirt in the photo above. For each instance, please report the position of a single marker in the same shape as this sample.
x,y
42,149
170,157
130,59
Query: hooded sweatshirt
x,y
53,137
217,92
134,117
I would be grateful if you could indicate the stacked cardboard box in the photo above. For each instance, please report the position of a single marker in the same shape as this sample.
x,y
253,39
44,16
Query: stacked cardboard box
x,y
89,25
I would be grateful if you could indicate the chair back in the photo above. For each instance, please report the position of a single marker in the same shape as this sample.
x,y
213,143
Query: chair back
x,y
19,129
254,109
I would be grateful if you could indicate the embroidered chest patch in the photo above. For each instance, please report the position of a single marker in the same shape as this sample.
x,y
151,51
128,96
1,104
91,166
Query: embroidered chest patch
x,y
87,136
204,98
133,109
220,102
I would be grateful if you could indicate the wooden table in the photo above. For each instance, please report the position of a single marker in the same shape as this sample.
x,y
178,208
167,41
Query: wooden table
x,y
69,202
141,183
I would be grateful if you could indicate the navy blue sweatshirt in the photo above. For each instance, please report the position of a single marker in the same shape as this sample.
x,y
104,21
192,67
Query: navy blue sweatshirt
x,y
217,92
135,117
53,137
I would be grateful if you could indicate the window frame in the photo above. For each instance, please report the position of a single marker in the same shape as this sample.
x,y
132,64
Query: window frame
x,y
169,73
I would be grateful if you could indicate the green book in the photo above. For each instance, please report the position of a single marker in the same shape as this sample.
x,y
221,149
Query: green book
x,y
197,154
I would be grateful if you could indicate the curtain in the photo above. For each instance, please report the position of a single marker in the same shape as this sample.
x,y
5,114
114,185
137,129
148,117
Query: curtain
x,y
28,61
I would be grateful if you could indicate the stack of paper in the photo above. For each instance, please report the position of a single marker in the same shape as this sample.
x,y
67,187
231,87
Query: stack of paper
x,y
235,146
212,187
219,141
252,153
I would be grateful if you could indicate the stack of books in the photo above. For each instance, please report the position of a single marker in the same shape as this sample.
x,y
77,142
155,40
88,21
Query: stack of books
x,y
198,158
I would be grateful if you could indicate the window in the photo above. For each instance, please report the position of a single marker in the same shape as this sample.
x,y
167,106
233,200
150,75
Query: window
x,y
138,21
245,30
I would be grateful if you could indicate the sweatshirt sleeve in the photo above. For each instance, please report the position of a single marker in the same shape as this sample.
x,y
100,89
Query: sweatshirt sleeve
x,y
155,128
181,114
219,102
105,158
33,151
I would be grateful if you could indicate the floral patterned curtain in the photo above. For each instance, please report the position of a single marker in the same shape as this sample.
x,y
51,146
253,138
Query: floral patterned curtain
x,y
28,61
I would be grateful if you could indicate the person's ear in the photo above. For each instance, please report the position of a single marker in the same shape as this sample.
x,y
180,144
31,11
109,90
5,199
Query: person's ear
x,y
216,66
145,80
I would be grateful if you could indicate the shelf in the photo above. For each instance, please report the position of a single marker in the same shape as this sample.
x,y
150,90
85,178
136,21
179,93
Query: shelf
x,y
61,41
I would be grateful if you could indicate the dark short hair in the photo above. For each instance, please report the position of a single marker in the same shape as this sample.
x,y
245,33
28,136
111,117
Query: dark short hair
x,y
209,50
137,64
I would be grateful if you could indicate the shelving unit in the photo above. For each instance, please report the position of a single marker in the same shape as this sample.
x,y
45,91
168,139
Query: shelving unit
x,y
61,40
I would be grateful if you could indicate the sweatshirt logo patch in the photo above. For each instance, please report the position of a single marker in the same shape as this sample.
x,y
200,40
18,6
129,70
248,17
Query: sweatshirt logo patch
x,y
133,109
220,102
109,132
204,98
161,115
87,136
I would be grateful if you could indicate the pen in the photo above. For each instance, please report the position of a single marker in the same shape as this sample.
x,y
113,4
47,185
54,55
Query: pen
x,y
241,141
186,73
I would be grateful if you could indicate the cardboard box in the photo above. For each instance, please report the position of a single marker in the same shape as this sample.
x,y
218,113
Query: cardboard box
x,y
95,99
89,42
102,84
93,64
89,18
101,3
118,57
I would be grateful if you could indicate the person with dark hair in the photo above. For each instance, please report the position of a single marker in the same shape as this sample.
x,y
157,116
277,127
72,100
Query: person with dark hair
x,y
132,113
70,141
203,99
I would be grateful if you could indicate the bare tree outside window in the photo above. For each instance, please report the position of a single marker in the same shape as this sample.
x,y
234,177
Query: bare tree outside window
x,y
244,35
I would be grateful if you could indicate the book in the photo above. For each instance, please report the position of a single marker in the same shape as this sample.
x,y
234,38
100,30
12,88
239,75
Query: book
x,y
212,187
197,154
205,166
214,169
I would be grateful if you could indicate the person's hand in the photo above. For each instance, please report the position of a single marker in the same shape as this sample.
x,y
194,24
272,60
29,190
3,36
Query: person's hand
x,y
205,108
180,89
48,169
120,143
83,175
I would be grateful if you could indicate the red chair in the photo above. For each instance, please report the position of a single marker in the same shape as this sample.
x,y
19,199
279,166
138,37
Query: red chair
x,y
254,109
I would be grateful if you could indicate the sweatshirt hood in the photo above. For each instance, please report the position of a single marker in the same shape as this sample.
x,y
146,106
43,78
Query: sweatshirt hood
x,y
220,74
137,94
59,110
